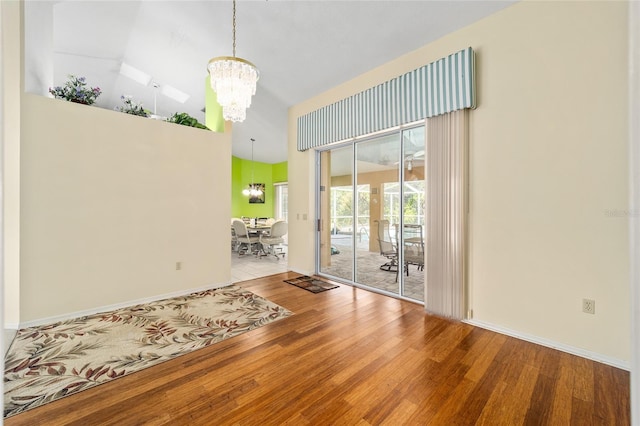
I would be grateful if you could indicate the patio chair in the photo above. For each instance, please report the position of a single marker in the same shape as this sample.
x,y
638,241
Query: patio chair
x,y
387,248
413,247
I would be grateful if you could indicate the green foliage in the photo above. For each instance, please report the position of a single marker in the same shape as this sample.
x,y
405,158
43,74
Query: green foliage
x,y
342,203
186,120
75,89
413,202
342,206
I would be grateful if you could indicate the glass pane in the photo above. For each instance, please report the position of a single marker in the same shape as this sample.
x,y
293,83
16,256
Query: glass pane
x,y
282,202
378,209
336,213
414,210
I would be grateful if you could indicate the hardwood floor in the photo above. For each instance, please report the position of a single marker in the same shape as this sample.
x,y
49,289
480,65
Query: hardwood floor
x,y
351,357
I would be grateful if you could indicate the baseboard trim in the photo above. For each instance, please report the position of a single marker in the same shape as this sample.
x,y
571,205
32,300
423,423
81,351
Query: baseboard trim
x,y
614,362
106,308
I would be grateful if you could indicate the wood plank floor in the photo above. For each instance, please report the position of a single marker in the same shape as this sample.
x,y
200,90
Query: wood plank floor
x,y
351,357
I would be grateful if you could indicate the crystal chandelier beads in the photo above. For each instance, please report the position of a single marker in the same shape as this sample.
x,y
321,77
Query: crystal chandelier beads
x,y
234,81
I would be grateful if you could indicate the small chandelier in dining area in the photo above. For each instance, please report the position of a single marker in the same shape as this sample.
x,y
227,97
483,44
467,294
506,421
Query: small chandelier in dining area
x,y
234,81
253,189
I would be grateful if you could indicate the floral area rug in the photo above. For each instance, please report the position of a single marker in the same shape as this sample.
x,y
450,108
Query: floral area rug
x,y
49,362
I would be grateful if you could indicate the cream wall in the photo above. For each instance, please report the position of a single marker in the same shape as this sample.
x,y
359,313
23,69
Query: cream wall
x,y
12,89
548,172
110,202
301,243
99,206
634,202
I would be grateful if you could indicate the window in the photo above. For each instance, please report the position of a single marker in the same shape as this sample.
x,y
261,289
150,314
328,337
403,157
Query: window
x,y
281,201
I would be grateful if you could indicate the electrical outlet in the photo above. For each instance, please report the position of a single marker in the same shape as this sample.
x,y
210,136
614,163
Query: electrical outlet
x,y
178,266
588,306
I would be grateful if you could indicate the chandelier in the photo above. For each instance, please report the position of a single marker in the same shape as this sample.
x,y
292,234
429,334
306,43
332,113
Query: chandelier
x,y
234,81
253,189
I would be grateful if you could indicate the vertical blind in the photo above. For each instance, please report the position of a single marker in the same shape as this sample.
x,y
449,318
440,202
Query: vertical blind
x,y
442,86
446,224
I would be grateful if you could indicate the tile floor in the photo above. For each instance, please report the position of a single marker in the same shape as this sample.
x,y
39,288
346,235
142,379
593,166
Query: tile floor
x,y
248,267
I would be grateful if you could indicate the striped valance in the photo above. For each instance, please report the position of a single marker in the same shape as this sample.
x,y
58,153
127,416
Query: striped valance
x,y
442,86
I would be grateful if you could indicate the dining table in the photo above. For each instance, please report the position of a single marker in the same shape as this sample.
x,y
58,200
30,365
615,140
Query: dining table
x,y
258,229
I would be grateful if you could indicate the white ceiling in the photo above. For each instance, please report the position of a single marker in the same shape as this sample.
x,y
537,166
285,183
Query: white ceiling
x,y
302,48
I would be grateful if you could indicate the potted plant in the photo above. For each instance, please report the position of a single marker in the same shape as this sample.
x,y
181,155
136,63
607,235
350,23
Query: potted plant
x,y
186,120
76,90
132,107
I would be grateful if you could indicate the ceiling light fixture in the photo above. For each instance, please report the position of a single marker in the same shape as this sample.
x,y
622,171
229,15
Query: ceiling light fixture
x,y
234,81
253,189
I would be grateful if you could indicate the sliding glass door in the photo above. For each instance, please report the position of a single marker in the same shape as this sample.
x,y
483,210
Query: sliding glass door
x,y
377,167
336,212
371,206
413,209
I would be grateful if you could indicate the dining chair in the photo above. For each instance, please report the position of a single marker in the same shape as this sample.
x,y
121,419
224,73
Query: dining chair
x,y
234,237
269,242
244,239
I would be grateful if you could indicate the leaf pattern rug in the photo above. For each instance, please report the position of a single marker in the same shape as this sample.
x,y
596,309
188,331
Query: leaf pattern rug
x,y
49,362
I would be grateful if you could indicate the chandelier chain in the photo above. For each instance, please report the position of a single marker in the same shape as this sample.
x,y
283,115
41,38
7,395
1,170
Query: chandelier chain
x,y
252,141
234,81
234,28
